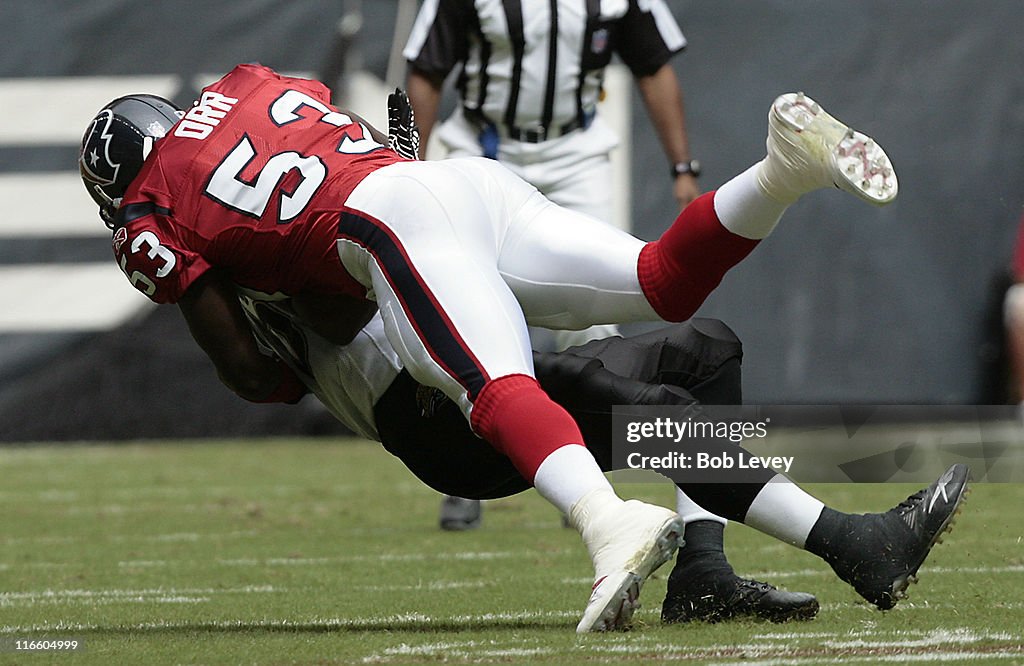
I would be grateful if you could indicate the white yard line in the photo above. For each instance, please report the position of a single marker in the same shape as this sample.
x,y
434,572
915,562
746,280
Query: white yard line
x,y
283,561
902,658
172,537
120,596
431,586
356,624
1011,568
133,495
766,652
383,557
958,636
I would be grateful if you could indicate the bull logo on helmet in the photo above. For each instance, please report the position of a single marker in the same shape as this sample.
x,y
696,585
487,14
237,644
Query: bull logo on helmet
x,y
95,161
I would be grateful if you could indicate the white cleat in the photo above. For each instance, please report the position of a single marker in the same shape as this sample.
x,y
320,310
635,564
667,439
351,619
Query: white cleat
x,y
627,542
612,603
810,150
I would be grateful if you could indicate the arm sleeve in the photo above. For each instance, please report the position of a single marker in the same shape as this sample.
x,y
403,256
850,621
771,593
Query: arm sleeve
x,y
440,36
648,36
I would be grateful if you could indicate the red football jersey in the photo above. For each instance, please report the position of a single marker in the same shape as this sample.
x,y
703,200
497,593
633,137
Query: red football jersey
x,y
251,180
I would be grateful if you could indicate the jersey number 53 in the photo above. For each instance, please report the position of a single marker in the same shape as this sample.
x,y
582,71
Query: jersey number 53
x,y
252,197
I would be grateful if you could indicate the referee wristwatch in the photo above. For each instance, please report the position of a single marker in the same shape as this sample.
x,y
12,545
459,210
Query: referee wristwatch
x,y
691,167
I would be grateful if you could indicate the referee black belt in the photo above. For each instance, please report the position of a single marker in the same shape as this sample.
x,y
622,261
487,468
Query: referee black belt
x,y
538,135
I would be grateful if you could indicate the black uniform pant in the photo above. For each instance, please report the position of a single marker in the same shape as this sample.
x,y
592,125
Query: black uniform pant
x,y
685,364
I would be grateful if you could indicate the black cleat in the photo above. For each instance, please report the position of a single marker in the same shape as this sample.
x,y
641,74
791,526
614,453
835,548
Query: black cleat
x,y
731,597
884,550
459,514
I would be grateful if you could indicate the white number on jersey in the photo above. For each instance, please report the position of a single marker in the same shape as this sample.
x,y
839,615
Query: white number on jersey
x,y
252,198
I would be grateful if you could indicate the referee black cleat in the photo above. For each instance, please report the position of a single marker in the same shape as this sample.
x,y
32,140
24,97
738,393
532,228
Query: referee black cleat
x,y
731,597
879,554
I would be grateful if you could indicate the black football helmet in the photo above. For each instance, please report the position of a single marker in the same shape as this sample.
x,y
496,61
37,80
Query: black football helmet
x,y
116,144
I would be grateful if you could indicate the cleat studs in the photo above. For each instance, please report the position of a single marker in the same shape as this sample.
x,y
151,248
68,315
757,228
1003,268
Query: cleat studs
x,y
865,184
849,133
851,169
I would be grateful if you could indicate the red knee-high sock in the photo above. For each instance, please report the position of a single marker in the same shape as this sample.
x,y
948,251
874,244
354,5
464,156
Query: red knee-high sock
x,y
518,418
680,269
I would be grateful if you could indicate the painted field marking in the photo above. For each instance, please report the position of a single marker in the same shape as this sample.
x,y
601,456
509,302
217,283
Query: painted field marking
x,y
121,538
1010,568
454,652
281,561
959,635
432,586
393,622
770,653
902,658
113,596
221,492
752,653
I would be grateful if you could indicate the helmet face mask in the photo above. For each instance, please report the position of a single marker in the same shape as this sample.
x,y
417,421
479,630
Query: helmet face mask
x,y
117,143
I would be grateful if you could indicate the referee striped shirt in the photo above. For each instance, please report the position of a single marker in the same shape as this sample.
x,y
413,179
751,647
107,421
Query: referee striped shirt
x,y
534,68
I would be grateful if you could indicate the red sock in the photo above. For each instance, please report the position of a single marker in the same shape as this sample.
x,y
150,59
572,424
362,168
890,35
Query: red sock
x,y
518,418
680,269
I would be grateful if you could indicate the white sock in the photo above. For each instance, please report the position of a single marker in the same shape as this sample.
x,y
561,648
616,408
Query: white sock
x,y
691,512
744,209
784,511
567,474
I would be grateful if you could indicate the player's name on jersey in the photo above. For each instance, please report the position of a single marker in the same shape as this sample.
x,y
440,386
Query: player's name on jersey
x,y
202,118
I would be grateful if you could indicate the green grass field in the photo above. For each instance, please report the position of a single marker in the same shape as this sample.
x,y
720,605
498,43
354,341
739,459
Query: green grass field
x,y
327,552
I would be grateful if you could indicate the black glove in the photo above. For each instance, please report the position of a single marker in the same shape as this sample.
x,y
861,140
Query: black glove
x,y
403,135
